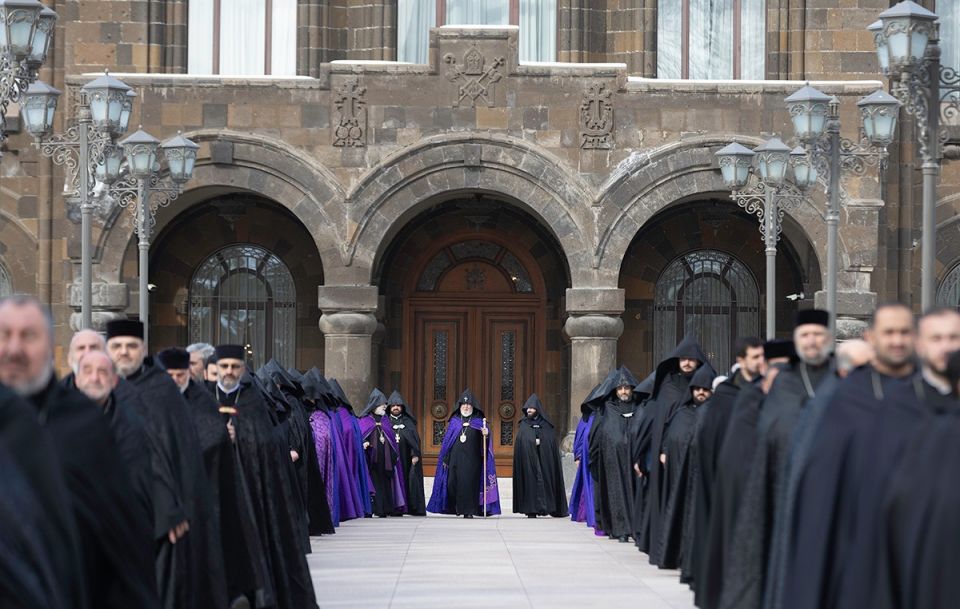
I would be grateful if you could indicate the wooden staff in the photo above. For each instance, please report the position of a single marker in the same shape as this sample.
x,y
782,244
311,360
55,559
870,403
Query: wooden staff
x,y
484,457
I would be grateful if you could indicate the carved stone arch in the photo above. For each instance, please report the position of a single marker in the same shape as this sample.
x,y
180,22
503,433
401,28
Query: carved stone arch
x,y
406,183
18,253
948,236
251,164
646,184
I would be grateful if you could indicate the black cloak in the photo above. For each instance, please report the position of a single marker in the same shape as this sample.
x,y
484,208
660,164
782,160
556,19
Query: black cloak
x,y
114,532
131,435
265,459
709,433
40,562
538,487
245,564
670,389
319,515
677,439
749,550
732,469
611,451
856,446
408,439
190,572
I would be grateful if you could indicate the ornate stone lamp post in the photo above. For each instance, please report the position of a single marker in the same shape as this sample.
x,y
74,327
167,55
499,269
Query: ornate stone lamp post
x,y
816,124
103,113
908,49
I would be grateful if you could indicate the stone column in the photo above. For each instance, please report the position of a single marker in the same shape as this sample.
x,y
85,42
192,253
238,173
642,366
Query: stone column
x,y
110,301
348,324
594,325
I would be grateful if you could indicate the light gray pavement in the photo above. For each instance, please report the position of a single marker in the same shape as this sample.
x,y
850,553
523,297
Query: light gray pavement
x,y
503,562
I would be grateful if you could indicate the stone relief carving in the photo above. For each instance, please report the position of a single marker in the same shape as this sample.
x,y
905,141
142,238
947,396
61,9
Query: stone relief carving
x,y
596,118
474,81
351,125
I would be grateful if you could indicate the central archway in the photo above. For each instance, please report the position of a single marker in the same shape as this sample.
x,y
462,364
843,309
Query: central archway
x,y
473,292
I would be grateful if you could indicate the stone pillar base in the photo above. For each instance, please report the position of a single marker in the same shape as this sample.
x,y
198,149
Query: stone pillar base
x,y
853,311
110,301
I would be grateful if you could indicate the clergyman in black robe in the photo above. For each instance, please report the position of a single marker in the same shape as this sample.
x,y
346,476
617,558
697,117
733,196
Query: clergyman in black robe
x,y
675,458
611,452
538,488
382,453
234,533
670,390
190,569
709,431
265,456
732,468
112,530
405,430
797,383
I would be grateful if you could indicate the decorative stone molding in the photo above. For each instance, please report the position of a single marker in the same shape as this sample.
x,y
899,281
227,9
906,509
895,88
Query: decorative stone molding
x,y
593,327
596,118
474,80
351,129
347,323
112,296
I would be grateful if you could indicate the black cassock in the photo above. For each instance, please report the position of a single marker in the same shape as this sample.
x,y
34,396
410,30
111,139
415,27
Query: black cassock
x,y
857,443
39,550
405,430
319,515
190,573
131,435
670,390
677,439
918,553
612,454
537,474
708,438
749,548
381,460
114,532
465,462
245,564
732,469
265,459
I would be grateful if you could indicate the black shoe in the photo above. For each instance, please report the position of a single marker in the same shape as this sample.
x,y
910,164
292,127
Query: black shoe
x,y
468,515
531,515
241,602
624,539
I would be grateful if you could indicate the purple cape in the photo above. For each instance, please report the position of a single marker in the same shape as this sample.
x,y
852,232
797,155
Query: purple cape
x,y
581,496
351,501
324,442
362,474
438,499
367,425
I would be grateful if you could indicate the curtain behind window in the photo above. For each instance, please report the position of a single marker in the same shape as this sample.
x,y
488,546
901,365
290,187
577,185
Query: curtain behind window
x,y
414,20
538,30
711,39
200,37
283,38
243,37
478,12
669,38
753,43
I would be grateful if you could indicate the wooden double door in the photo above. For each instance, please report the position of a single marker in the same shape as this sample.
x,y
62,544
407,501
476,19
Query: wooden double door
x,y
488,345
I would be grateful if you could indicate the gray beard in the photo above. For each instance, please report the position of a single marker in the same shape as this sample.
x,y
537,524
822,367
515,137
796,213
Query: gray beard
x,y
35,386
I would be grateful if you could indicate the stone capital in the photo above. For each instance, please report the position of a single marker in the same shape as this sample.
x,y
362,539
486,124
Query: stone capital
x,y
595,301
348,323
593,326
332,298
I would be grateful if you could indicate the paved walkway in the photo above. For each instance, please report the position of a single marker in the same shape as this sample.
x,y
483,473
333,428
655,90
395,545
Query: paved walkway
x,y
506,562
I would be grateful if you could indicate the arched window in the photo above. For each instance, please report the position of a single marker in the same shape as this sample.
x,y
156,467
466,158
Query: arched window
x,y
6,285
948,294
710,295
245,294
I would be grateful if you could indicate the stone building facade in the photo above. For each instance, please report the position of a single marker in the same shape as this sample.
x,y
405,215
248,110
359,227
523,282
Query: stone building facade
x,y
473,220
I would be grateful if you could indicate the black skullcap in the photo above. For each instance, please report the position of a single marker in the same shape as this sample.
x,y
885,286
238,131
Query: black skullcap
x,y
174,358
773,349
231,352
125,327
812,316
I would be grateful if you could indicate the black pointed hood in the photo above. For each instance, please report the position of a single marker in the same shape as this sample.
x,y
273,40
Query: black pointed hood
x,y
616,378
339,394
467,397
315,388
376,399
534,402
645,388
703,377
272,371
687,348
396,399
